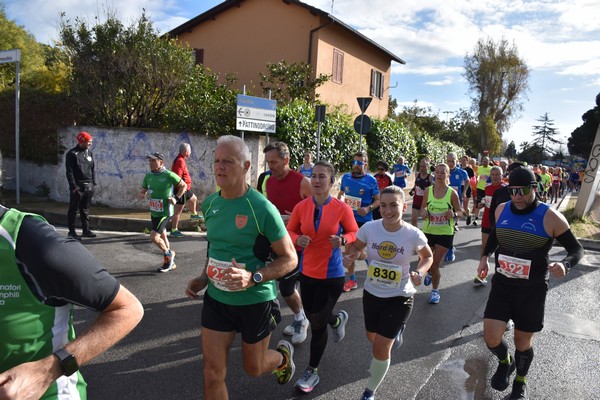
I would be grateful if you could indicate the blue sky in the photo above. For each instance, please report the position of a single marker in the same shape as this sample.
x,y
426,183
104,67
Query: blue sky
x,y
559,41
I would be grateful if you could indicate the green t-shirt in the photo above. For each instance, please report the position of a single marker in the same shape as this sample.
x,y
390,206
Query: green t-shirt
x,y
438,223
160,188
483,173
243,229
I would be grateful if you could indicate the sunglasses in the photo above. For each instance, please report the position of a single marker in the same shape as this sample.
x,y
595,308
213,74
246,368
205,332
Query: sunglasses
x,y
523,191
359,163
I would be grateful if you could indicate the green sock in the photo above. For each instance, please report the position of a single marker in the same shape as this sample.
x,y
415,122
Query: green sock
x,y
506,361
520,379
377,371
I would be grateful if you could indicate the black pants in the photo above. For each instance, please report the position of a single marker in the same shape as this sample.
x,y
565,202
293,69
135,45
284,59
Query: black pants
x,y
80,200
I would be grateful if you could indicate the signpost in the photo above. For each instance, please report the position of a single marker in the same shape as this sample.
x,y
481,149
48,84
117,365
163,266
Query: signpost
x,y
362,123
255,114
320,118
10,56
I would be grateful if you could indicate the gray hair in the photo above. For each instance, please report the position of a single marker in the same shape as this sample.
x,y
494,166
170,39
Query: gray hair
x,y
238,143
452,155
184,148
495,168
393,189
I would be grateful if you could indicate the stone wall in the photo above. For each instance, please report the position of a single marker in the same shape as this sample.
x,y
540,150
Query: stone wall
x,y
120,157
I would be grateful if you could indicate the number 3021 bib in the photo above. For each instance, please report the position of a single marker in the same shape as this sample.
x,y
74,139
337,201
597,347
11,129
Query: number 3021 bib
x,y
384,275
513,267
216,271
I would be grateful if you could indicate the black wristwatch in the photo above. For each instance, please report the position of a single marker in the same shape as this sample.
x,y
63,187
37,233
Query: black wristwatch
x,y
257,278
567,266
343,239
68,362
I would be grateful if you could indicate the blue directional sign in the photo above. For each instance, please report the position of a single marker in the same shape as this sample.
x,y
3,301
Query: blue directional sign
x,y
256,114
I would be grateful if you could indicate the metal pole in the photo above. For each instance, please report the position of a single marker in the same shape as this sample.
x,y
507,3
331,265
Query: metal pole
x,y
242,132
360,133
319,141
17,147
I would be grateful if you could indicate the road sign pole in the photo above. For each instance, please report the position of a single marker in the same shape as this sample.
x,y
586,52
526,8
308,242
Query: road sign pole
x,y
360,133
17,147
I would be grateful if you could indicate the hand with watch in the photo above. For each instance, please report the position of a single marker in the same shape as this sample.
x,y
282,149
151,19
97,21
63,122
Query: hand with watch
x,y
68,362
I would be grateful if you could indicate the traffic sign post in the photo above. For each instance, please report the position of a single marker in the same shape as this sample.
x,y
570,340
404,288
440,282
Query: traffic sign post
x,y
256,114
10,56
362,125
320,118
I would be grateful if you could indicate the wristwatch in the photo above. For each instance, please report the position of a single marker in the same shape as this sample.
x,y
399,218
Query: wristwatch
x,y
257,278
343,239
68,362
567,266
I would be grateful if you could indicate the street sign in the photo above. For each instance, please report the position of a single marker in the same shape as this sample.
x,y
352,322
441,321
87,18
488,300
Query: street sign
x,y
363,103
256,114
362,124
10,56
320,113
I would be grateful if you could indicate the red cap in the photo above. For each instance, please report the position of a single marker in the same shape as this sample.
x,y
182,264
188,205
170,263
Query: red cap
x,y
84,137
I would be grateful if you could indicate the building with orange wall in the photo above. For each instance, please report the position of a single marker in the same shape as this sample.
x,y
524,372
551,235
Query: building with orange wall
x,y
242,36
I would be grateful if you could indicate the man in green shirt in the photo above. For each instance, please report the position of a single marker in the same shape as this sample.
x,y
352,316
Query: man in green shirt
x,y
243,230
159,184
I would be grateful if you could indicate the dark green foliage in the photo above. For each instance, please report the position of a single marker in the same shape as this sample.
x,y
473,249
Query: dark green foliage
x,y
289,82
582,138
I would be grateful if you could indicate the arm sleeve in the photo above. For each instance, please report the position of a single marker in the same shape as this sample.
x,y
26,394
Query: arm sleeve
x,y
492,243
572,246
59,270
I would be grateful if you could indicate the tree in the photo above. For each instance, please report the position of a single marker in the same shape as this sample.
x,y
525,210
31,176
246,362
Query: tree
x,y
123,76
497,80
580,142
289,82
545,134
530,153
511,150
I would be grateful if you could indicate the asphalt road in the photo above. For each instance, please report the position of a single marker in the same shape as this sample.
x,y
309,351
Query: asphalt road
x,y
443,356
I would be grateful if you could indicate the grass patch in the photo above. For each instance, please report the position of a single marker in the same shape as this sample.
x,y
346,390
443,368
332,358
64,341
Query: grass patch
x,y
584,227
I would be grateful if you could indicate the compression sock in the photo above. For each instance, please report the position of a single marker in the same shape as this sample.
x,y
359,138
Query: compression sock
x,y
300,316
353,277
523,360
377,372
501,351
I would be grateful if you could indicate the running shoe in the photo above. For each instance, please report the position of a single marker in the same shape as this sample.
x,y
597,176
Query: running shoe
x,y
469,220
519,390
368,395
427,279
308,381
399,340
340,331
297,330
450,256
285,372
176,234
169,262
478,281
456,228
500,380
197,217
350,285
510,325
474,223
435,297
89,234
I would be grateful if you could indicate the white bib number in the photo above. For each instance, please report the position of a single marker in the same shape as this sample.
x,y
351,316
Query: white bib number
x,y
216,271
419,191
487,201
384,275
353,202
156,205
513,267
438,218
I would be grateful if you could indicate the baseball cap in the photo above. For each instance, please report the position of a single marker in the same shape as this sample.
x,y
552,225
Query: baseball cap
x,y
156,156
521,177
84,137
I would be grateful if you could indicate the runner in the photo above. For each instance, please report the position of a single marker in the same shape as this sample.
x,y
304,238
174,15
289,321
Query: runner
x,y
388,295
243,230
486,222
521,240
464,165
285,189
383,180
440,208
422,181
459,181
557,176
306,168
483,173
160,184
361,193
180,168
316,225
401,172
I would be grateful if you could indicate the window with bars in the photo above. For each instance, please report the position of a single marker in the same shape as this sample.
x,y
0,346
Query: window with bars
x,y
338,66
376,84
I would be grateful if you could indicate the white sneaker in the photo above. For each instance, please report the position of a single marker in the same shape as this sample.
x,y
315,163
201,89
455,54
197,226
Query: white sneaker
x,y
340,331
300,329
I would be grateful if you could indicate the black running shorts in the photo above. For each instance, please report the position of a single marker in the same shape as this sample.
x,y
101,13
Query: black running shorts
x,y
446,241
255,321
159,224
523,304
385,316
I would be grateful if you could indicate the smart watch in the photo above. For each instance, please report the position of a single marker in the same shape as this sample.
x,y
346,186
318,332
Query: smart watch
x,y
257,278
567,266
343,239
68,362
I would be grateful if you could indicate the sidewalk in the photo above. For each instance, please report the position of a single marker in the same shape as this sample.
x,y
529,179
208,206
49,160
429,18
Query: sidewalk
x,y
101,217
134,220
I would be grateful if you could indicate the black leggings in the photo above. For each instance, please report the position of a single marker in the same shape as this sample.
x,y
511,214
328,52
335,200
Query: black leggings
x,y
318,298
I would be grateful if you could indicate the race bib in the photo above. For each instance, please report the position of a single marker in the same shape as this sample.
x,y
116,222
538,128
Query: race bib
x,y
419,191
513,267
353,202
384,275
216,271
156,205
400,174
438,218
487,201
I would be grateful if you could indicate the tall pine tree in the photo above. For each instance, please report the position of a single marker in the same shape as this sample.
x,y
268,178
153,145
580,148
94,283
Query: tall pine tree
x,y
545,135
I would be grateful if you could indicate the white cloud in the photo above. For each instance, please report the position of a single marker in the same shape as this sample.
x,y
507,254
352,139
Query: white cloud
x,y
443,82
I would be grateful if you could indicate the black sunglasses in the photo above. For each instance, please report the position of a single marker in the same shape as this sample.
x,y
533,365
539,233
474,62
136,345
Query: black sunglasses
x,y
523,191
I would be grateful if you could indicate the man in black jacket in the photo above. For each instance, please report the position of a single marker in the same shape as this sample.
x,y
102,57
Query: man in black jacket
x,y
81,176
